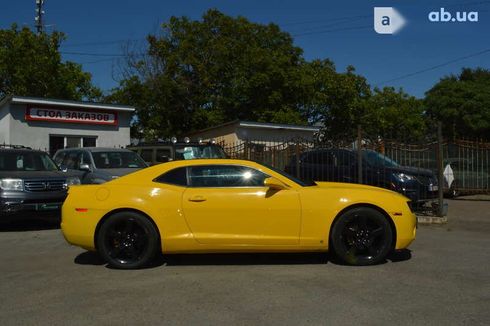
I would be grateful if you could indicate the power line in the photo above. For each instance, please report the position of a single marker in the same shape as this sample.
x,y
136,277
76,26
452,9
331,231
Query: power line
x,y
94,54
434,67
323,20
101,43
334,30
307,29
96,61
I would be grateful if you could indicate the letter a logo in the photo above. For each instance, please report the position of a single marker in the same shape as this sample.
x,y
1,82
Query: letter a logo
x,y
387,20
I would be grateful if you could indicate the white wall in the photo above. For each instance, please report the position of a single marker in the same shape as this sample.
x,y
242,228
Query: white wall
x,y
4,125
36,134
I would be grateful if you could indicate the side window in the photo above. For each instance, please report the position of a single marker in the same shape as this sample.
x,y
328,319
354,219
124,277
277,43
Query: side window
x,y
72,160
164,154
176,176
345,158
58,159
147,155
225,176
86,158
323,158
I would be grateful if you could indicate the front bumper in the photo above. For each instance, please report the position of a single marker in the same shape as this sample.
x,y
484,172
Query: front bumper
x,y
39,205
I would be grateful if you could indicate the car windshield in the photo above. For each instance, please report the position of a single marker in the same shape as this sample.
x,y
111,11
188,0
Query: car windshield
x,y
376,159
26,161
117,160
302,183
199,151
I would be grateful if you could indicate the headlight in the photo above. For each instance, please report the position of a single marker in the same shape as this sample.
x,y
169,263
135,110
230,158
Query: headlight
x,y
72,181
402,177
12,184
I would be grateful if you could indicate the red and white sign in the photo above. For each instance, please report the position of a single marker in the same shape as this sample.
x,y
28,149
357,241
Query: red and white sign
x,y
73,116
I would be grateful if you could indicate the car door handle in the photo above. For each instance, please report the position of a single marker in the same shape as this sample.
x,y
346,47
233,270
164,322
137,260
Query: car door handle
x,y
197,198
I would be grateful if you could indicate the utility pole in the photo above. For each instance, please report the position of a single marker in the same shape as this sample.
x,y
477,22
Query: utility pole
x,y
39,16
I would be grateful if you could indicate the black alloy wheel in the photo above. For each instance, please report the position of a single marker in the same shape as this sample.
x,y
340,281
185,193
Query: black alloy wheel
x,y
127,240
362,236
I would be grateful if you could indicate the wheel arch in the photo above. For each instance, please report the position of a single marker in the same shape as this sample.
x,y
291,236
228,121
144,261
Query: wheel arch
x,y
125,209
357,205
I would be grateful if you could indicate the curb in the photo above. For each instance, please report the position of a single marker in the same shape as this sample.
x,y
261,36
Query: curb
x,y
431,220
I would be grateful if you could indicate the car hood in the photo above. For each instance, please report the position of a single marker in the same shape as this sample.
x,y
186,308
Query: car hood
x,y
32,175
352,186
411,170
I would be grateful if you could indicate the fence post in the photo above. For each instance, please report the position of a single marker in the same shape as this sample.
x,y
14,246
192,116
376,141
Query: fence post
x,y
359,154
440,172
247,150
297,158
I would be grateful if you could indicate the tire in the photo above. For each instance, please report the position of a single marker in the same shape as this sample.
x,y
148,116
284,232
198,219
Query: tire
x,y
127,240
361,236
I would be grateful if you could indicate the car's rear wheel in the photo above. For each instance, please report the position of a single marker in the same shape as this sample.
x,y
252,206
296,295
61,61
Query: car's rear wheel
x,y
127,240
361,236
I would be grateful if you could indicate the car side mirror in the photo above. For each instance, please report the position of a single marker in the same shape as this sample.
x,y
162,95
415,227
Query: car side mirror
x,y
275,184
85,167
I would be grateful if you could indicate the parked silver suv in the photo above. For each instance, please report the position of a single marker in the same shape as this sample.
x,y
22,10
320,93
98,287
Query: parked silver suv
x,y
98,164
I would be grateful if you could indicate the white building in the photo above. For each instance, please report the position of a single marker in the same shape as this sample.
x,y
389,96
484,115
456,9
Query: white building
x,y
237,132
50,124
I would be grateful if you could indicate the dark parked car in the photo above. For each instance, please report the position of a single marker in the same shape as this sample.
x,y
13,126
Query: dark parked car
x,y
98,164
161,152
31,185
341,165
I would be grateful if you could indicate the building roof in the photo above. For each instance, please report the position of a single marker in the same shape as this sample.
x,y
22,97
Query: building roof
x,y
64,103
263,125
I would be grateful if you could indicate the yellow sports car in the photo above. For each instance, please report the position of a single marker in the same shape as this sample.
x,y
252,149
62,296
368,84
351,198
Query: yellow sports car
x,y
221,205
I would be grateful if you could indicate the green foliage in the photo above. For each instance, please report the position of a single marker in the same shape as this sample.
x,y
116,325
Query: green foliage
x,y
197,74
336,100
395,115
31,65
202,73
462,103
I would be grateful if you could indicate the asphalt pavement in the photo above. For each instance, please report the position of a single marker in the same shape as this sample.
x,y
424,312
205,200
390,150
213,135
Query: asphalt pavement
x,y
443,279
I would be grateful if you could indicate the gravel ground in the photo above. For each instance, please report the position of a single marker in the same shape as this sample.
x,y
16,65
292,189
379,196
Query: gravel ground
x,y
442,279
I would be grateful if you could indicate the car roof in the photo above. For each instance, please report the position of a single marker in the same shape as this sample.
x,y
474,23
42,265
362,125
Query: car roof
x,y
212,161
21,150
97,149
172,144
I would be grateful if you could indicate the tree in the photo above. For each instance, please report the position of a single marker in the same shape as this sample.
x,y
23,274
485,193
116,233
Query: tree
x,y
197,74
395,115
462,103
335,100
31,65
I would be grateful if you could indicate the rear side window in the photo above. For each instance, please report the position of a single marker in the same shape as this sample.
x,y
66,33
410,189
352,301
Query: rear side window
x,y
176,177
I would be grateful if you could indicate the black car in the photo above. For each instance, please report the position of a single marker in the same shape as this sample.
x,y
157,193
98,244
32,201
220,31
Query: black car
x,y
31,185
341,165
161,152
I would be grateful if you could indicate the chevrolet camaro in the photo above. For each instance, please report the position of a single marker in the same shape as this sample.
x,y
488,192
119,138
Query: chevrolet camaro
x,y
222,205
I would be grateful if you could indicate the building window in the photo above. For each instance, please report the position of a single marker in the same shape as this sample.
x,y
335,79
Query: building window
x,y
57,142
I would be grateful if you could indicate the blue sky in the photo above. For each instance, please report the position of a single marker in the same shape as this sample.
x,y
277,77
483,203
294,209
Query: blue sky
x,y
339,30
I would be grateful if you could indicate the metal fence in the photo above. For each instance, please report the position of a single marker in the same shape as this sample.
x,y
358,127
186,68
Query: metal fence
x,y
413,169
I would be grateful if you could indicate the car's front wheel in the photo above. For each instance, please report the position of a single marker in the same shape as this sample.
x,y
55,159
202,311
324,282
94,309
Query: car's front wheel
x,y
127,240
361,236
